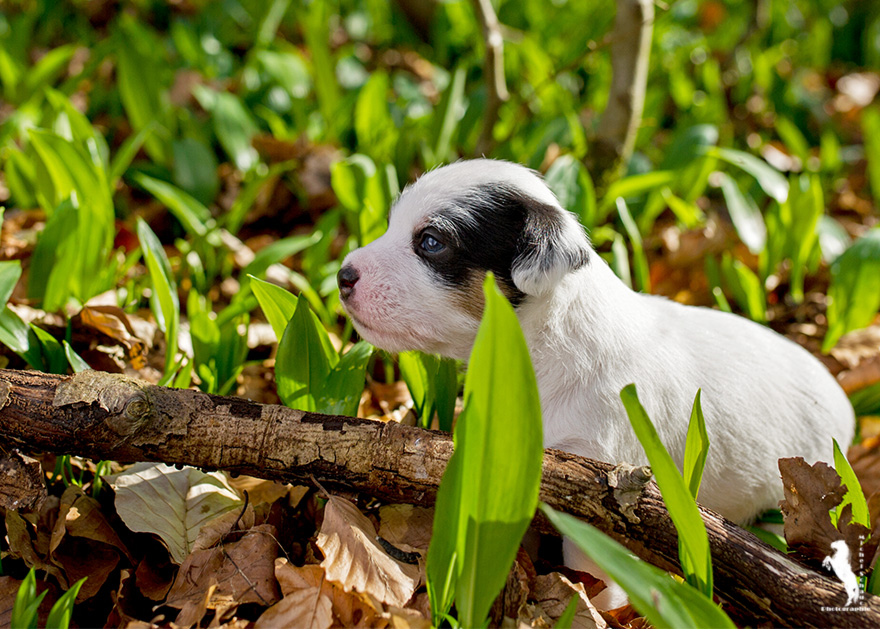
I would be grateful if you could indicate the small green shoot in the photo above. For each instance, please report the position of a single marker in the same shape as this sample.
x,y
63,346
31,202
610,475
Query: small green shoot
x,y
696,560
664,601
489,493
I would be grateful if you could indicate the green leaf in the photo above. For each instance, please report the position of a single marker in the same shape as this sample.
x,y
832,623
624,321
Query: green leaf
x,y
305,358
571,183
62,610
498,450
433,384
793,138
278,251
744,214
376,133
633,186
447,118
746,287
773,183
358,185
341,393
696,559
188,210
54,357
76,362
140,75
689,145
233,125
195,169
854,494
278,304
666,603
24,608
640,260
126,154
696,449
163,301
10,271
14,335
871,135
854,294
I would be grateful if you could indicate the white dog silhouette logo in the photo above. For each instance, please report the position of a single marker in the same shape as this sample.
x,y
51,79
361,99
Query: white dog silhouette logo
x,y
838,561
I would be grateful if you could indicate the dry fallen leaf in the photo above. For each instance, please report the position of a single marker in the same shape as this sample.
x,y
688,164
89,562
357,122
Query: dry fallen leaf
x,y
171,503
242,571
811,491
554,591
112,323
353,557
221,526
407,526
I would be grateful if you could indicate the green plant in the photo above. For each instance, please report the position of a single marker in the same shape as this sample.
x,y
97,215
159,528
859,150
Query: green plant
x,y
489,492
24,608
433,384
310,374
678,493
664,601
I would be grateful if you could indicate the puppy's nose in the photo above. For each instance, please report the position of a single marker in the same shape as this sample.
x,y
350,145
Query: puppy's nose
x,y
347,278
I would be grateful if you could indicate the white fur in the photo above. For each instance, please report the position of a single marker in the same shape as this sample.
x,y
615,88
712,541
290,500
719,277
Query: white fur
x,y
764,397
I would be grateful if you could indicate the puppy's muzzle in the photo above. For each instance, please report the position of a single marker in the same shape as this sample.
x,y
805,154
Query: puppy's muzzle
x,y
347,278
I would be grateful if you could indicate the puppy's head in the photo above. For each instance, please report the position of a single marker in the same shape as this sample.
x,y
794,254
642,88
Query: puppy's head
x,y
419,286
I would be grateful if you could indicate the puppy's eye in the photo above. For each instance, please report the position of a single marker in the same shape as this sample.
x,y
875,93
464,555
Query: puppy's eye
x,y
430,244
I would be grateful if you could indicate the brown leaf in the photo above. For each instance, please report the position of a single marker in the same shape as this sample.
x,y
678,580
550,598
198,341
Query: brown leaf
x,y
221,526
155,574
353,557
21,482
21,545
243,571
351,609
406,526
81,516
554,591
111,325
260,490
81,557
811,491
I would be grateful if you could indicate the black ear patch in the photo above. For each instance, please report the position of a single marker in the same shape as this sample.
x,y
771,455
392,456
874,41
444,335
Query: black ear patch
x,y
527,244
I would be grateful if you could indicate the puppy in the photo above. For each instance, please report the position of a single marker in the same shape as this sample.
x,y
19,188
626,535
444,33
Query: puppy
x,y
589,335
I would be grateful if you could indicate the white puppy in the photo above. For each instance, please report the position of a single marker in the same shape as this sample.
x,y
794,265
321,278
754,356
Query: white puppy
x,y
419,286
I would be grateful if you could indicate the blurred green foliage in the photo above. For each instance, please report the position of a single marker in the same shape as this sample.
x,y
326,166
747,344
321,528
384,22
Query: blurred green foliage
x,y
108,105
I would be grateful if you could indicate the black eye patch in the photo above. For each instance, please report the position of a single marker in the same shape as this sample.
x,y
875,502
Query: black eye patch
x,y
482,230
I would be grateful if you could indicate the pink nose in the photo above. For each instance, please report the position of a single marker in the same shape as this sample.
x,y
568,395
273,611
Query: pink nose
x,y
347,278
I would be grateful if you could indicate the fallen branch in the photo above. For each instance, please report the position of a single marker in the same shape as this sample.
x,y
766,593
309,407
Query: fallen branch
x,y
104,416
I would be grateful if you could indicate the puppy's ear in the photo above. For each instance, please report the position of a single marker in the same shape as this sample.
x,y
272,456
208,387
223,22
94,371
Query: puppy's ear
x,y
553,244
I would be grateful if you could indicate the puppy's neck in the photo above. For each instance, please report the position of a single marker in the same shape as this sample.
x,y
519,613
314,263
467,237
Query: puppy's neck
x,y
584,320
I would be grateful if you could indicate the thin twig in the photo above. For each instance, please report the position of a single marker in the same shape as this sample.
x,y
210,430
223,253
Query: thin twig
x,y
493,70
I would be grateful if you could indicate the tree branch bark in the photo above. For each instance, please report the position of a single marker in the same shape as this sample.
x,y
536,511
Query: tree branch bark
x,y
105,416
630,53
493,73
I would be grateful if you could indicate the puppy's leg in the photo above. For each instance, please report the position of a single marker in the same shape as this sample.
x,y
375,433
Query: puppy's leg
x,y
613,595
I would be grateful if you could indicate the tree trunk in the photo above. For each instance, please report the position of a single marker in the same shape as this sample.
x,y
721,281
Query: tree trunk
x,y
105,416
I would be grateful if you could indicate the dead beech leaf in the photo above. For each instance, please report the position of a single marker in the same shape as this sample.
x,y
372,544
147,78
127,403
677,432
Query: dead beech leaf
x,y
20,545
81,516
242,571
554,591
350,608
171,503
81,557
353,557
113,323
260,490
407,526
811,491
215,530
